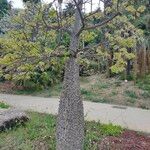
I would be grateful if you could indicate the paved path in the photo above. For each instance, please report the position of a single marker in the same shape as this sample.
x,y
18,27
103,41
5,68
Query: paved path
x,y
131,118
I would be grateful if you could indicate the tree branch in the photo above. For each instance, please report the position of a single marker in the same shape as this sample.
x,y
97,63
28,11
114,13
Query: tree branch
x,y
102,23
80,13
92,13
59,27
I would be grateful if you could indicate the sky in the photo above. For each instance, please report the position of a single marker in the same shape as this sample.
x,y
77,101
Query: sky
x,y
19,4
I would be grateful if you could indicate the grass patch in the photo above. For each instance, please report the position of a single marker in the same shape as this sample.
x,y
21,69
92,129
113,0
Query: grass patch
x,y
41,130
118,83
56,90
131,100
47,92
131,94
88,95
4,105
144,83
95,132
40,127
26,91
101,85
83,80
113,93
145,94
93,97
111,130
86,92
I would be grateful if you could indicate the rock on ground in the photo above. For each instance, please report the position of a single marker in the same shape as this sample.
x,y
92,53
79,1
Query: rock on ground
x,y
11,117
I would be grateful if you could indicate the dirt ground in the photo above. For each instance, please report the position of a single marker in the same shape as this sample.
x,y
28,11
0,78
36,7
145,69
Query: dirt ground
x,y
113,90
96,88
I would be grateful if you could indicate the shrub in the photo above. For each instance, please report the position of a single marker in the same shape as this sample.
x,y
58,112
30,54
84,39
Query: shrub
x,y
4,105
111,130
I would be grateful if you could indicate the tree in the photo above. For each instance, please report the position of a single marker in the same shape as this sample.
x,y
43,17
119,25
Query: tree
x,y
70,122
4,6
68,10
119,28
32,66
107,3
143,22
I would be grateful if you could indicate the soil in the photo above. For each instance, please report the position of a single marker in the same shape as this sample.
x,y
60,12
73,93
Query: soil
x,y
115,91
9,87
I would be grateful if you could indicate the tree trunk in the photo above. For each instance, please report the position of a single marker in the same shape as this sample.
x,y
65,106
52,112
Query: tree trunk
x,y
109,64
128,68
148,61
107,3
135,67
70,122
142,66
70,125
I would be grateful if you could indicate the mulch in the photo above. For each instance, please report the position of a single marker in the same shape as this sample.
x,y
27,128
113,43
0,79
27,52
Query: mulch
x,y
8,87
128,140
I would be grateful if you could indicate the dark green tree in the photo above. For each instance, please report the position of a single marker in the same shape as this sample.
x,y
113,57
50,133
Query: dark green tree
x,y
4,6
69,10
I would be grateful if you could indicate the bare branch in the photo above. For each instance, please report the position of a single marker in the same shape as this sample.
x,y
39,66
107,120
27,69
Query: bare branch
x,y
59,27
92,13
102,23
80,13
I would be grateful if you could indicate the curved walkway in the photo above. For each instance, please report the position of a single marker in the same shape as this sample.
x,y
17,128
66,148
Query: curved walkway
x,y
131,118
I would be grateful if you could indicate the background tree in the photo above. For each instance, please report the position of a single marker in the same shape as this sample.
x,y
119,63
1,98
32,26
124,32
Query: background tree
x,y
33,42
143,50
107,3
4,7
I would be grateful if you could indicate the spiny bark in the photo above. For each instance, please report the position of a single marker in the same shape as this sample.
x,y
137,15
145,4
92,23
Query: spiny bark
x,y
70,122
70,125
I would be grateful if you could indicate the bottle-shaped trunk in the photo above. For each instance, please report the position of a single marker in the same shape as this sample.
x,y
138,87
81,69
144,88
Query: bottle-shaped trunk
x,y
70,122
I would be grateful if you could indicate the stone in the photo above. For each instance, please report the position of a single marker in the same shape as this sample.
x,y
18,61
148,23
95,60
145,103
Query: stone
x,y
11,117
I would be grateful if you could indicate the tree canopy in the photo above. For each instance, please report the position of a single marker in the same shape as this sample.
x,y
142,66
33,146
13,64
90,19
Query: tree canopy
x,y
33,39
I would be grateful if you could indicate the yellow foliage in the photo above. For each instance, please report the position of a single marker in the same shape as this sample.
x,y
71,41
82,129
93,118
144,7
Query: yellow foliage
x,y
141,9
88,36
